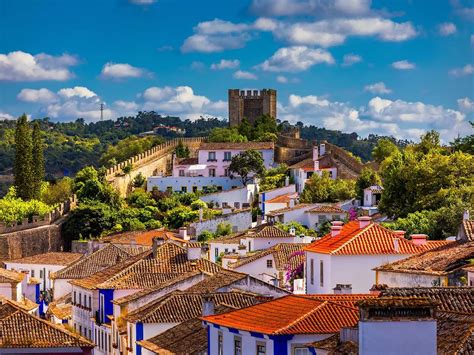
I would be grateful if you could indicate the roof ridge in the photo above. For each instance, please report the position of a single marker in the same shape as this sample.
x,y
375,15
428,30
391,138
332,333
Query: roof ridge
x,y
357,235
297,320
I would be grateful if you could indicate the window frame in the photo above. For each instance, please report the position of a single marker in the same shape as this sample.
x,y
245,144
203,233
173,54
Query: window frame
x,y
238,339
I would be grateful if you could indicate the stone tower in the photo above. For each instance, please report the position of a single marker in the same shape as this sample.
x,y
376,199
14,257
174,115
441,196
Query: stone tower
x,y
251,104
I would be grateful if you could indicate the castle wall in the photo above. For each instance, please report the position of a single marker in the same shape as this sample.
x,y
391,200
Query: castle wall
x,y
251,104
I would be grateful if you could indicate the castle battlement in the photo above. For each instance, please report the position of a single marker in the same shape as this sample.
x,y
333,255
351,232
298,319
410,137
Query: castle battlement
x,y
251,104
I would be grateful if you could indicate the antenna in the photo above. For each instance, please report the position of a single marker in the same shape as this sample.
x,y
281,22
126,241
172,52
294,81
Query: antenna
x,y
102,111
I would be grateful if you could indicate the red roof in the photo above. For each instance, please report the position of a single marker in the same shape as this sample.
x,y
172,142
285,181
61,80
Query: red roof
x,y
293,314
372,239
283,198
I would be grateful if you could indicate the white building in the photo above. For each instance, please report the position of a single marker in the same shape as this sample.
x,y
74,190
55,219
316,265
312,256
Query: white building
x,y
372,195
41,266
278,198
350,252
241,197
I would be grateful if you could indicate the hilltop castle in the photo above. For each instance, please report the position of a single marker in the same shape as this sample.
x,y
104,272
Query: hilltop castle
x,y
251,104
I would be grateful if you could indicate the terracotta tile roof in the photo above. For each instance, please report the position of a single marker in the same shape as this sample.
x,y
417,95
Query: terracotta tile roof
x,y
440,261
60,311
237,146
372,239
262,231
333,346
189,337
25,304
468,227
469,268
34,281
349,300
97,261
281,254
451,299
326,209
143,238
94,281
53,258
286,198
233,238
212,283
432,244
304,164
10,276
455,333
290,315
375,189
194,245
19,329
287,209
170,262
179,306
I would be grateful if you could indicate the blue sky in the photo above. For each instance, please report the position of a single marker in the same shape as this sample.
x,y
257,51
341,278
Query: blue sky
x,y
386,67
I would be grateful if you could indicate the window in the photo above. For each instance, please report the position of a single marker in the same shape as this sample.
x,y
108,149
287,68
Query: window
x,y
41,274
301,351
212,172
237,346
181,172
211,156
321,273
195,189
90,302
184,189
74,298
79,299
237,205
90,334
269,263
80,329
85,300
322,219
216,252
261,348
311,271
220,350
250,246
169,189
226,172
227,156
32,273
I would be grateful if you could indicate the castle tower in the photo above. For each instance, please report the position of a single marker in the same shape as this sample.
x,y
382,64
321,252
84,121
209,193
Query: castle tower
x,y
251,104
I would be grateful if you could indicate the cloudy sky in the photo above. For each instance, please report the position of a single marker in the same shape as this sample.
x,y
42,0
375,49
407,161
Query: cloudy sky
x,y
387,67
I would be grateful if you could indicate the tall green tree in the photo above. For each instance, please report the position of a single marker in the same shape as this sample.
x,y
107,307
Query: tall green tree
x,y
23,166
325,189
384,148
226,135
38,160
367,178
246,164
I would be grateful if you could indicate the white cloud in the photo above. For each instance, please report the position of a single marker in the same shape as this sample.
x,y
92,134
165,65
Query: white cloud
x,y
181,101
122,71
282,79
21,66
6,116
377,88
142,2
466,105
126,107
41,95
310,7
226,64
403,65
350,59
468,69
403,120
296,59
77,91
240,74
447,29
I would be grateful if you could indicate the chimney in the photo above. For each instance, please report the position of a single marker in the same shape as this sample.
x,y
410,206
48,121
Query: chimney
x,y
242,250
208,306
341,289
322,149
399,233
336,228
259,220
292,231
376,289
291,204
155,242
419,239
465,215
315,152
287,181
364,221
193,251
396,245
183,233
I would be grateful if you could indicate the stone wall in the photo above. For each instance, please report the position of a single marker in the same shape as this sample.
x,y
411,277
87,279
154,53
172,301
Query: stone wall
x,y
156,160
32,241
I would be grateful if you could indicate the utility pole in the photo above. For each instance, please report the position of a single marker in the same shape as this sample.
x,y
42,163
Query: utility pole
x,y
102,111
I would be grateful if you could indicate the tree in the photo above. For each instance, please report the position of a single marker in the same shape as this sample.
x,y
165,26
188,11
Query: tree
x,y
226,135
181,150
57,192
38,160
23,167
274,178
321,188
139,180
89,186
367,178
247,164
429,141
127,169
299,228
384,148
245,128
263,126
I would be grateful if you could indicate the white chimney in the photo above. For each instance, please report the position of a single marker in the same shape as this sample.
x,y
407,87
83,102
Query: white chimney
x,y
242,250
396,245
194,251
291,203
208,305
341,289
419,239
336,228
364,221
292,231
287,181
315,152
465,216
399,233
183,233
322,149
316,165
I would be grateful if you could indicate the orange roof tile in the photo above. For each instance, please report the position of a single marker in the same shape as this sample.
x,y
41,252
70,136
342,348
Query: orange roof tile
x,y
283,198
372,239
326,209
290,315
143,238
